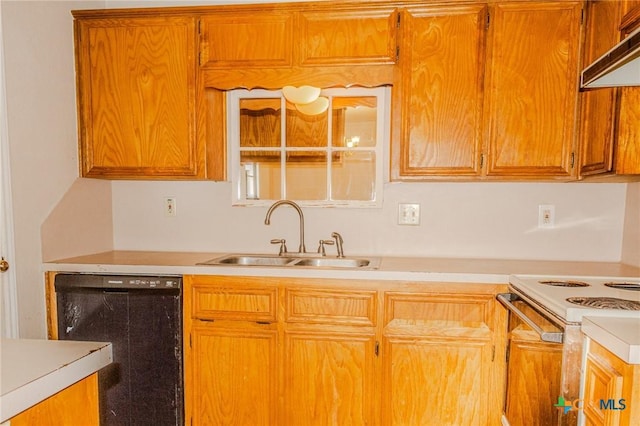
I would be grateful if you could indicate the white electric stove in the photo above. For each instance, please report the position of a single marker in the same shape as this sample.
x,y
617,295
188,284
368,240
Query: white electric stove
x,y
569,298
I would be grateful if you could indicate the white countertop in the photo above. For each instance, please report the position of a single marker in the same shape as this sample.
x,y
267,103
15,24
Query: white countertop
x,y
33,370
621,336
490,271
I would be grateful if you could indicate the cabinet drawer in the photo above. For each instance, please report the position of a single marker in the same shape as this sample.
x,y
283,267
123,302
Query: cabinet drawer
x,y
251,304
331,307
405,309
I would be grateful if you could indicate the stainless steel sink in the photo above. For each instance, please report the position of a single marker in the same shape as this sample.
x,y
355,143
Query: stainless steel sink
x,y
293,261
333,262
250,260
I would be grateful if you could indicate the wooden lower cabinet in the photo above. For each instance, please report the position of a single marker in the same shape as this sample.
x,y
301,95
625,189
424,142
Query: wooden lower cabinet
x,y
75,405
285,351
439,359
611,389
533,379
235,376
329,378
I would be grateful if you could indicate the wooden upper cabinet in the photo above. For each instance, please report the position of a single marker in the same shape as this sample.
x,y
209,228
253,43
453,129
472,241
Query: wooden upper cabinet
x,y
246,39
347,37
627,145
532,89
598,106
136,97
442,66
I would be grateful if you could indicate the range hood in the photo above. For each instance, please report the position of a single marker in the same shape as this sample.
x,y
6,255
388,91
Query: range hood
x,y
620,66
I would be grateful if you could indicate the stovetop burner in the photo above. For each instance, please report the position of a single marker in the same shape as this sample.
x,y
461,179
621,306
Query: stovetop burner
x,y
605,303
623,286
561,283
572,297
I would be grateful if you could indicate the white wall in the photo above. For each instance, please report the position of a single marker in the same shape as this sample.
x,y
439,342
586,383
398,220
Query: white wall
x,y
480,220
631,242
41,114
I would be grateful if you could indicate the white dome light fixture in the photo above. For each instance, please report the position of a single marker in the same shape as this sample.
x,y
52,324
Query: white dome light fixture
x,y
316,107
306,99
301,95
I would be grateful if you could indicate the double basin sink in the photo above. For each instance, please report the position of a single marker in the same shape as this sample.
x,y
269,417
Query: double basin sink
x,y
294,261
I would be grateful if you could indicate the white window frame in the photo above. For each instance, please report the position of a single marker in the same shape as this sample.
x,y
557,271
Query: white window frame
x,y
383,94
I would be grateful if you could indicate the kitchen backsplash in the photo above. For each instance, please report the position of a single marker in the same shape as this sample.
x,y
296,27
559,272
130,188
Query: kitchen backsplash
x,y
479,220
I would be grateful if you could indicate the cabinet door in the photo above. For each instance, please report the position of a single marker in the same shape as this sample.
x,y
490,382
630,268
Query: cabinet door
x,y
627,150
431,381
533,379
442,65
231,351
330,356
347,37
329,378
598,106
251,39
235,374
136,97
532,88
611,395
438,360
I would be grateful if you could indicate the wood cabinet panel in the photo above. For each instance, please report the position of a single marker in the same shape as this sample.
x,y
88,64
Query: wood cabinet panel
x,y
246,39
610,380
330,378
347,37
234,376
225,302
627,152
443,342
136,89
430,381
331,307
533,379
598,115
464,310
532,90
62,408
442,63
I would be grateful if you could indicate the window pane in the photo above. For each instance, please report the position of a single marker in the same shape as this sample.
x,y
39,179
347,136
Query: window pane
x,y
260,124
353,176
306,131
354,121
260,175
306,176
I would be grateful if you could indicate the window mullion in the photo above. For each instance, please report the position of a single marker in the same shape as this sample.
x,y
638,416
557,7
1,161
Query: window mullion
x,y
329,149
283,148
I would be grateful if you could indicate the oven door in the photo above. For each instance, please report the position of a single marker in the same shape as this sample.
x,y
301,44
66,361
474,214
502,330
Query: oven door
x,y
534,365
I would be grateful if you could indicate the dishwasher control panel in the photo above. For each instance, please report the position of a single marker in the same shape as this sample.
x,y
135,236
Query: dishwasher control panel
x,y
66,281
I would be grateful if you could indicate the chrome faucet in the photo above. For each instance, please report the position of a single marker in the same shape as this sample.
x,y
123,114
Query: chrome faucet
x,y
339,243
267,220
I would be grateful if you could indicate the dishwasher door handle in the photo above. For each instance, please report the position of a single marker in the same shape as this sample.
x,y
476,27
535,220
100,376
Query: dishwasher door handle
x,y
546,336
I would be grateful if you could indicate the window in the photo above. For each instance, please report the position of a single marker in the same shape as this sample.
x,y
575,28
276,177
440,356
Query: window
x,y
331,159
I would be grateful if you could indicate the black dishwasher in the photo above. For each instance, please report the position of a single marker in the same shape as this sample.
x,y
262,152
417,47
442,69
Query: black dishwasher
x,y
142,317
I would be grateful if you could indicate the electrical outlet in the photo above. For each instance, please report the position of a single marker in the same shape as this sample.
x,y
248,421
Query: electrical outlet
x,y
408,214
170,206
546,216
